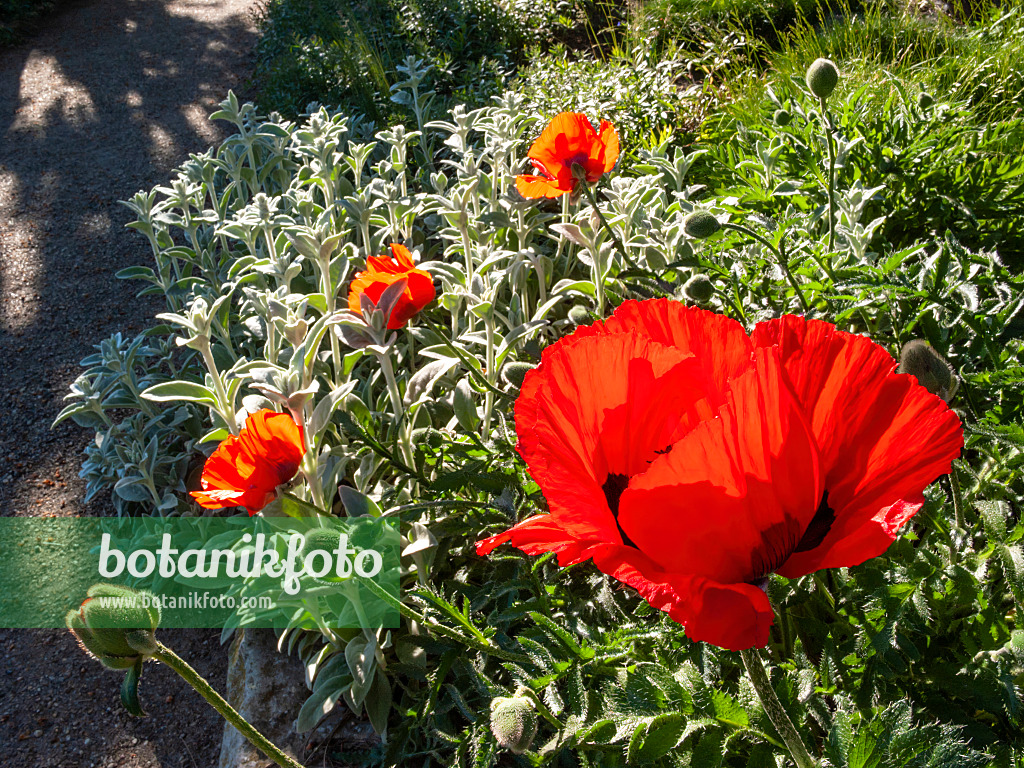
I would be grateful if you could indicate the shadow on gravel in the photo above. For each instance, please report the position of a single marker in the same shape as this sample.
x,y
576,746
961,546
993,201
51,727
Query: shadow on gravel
x,y
105,100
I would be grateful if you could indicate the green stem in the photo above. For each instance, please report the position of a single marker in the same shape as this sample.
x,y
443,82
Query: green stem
x,y
831,176
204,689
490,374
774,709
783,261
397,405
589,193
224,408
473,370
958,498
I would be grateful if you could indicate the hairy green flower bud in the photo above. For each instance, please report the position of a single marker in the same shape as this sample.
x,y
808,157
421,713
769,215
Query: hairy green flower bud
x,y
116,625
513,722
924,100
579,315
699,288
700,224
782,117
822,78
514,373
931,370
428,436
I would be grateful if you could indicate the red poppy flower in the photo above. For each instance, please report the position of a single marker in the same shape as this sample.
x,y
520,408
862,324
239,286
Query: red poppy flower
x,y
246,469
568,139
383,271
793,450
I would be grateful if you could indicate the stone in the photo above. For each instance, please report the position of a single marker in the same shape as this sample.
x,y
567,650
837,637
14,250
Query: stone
x,y
265,687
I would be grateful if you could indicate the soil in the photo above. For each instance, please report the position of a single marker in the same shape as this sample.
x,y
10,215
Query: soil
x,y
105,99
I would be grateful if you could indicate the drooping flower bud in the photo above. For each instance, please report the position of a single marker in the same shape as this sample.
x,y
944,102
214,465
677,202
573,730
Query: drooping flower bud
x,y
699,288
514,373
700,224
931,370
514,722
782,117
924,100
822,78
116,625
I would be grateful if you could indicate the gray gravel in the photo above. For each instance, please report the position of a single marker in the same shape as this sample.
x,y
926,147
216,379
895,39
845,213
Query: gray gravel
x,y
105,99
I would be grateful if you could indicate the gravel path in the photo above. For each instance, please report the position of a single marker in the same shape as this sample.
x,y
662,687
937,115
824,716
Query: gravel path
x,y
105,100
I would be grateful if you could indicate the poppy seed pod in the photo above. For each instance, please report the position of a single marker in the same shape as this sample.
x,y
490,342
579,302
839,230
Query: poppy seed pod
x,y
931,370
116,625
514,373
782,117
700,224
822,78
513,722
699,289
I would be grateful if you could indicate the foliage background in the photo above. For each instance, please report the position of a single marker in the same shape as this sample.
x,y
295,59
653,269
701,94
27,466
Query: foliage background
x,y
911,659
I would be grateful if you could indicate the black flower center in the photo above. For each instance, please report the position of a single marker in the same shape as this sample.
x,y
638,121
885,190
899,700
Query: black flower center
x,y
780,541
819,527
613,487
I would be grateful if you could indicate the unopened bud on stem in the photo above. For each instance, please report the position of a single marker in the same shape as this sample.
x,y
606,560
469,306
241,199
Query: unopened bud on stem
x,y
514,722
822,78
700,224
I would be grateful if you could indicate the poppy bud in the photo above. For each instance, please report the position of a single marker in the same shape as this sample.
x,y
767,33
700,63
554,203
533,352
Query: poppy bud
x,y
822,78
700,224
427,436
514,373
931,370
782,117
116,625
322,539
513,722
924,100
579,315
699,288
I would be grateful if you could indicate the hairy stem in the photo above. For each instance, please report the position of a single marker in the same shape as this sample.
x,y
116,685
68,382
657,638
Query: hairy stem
x,y
774,709
831,176
204,689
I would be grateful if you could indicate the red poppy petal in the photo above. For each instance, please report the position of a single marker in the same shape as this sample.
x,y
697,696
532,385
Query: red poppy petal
x,y
402,256
715,339
532,187
539,534
567,137
597,406
275,438
218,498
609,140
883,437
732,616
419,292
734,496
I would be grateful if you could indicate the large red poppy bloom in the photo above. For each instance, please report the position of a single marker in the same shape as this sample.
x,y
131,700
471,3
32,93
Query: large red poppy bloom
x,y
691,461
246,469
381,272
568,139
